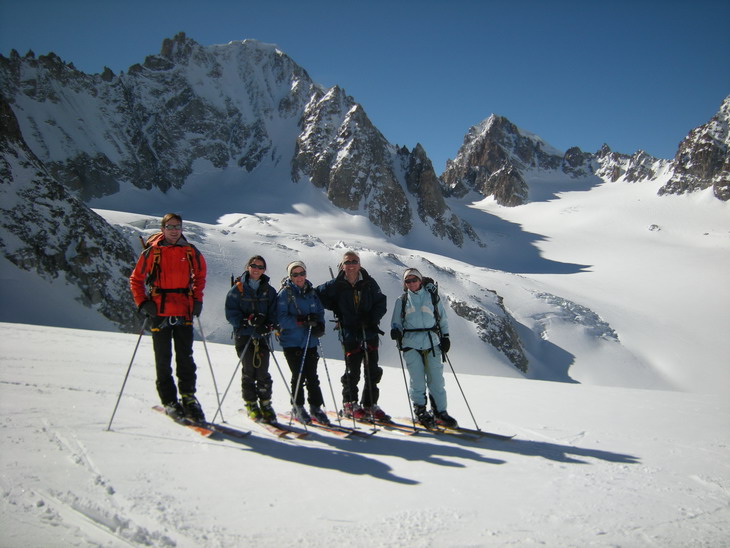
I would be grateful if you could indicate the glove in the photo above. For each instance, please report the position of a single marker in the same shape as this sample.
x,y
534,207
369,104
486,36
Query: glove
x,y
255,320
197,308
263,329
311,321
396,334
318,330
148,308
445,344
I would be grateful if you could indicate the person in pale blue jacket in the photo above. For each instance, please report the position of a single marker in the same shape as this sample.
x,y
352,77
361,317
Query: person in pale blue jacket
x,y
420,328
300,316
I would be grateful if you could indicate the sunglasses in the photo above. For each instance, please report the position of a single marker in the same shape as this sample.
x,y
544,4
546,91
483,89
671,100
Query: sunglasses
x,y
173,227
351,262
412,280
257,266
298,274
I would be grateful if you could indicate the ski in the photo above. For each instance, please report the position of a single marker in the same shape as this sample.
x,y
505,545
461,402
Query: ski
x,y
389,425
337,430
465,433
436,429
277,429
202,430
478,433
227,430
347,430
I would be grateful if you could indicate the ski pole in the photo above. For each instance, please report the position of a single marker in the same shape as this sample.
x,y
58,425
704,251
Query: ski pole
x,y
329,381
368,377
235,372
144,325
283,378
462,391
212,374
405,380
299,377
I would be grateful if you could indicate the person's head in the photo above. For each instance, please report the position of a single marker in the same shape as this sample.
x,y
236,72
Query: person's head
x,y
256,266
412,279
297,273
171,226
350,263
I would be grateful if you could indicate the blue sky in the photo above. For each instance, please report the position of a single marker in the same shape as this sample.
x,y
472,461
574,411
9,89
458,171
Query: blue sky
x,y
633,74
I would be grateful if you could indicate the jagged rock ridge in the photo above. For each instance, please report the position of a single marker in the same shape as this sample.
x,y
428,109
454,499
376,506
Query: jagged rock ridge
x,y
703,158
45,229
499,159
238,107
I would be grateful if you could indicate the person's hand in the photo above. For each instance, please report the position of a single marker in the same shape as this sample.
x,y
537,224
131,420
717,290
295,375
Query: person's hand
x,y
445,344
318,330
396,334
148,308
197,308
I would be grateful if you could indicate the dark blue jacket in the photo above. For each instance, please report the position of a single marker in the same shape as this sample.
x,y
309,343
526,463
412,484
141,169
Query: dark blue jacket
x,y
356,307
242,301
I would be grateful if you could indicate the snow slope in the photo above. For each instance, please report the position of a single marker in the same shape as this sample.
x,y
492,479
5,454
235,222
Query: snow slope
x,y
590,466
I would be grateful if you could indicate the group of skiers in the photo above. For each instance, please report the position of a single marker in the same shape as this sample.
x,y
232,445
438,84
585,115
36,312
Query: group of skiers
x,y
167,285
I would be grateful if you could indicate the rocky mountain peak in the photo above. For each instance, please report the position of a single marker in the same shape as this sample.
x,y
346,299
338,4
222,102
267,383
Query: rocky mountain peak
x,y
703,158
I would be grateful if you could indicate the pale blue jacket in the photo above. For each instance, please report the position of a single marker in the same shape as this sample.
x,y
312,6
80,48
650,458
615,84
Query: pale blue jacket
x,y
418,315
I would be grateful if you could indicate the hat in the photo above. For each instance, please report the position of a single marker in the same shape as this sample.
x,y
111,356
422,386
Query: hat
x,y
412,272
291,266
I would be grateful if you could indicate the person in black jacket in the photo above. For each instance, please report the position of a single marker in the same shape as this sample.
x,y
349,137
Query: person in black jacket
x,y
358,305
251,310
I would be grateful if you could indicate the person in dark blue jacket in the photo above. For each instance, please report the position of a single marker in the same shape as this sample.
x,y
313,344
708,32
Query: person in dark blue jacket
x,y
251,310
359,305
300,316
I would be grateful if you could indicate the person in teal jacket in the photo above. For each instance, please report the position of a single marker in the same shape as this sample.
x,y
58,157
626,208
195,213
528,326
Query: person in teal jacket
x,y
300,316
420,327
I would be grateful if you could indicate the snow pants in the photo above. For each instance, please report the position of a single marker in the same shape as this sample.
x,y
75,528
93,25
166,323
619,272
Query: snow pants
x,y
355,359
255,379
164,333
426,370
309,377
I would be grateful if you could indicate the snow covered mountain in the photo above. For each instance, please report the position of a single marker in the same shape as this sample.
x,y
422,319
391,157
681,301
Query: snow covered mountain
x,y
501,160
259,159
55,243
239,118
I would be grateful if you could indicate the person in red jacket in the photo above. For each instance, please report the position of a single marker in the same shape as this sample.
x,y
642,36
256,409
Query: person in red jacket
x,y
167,285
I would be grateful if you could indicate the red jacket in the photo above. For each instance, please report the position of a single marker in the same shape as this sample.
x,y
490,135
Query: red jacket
x,y
173,276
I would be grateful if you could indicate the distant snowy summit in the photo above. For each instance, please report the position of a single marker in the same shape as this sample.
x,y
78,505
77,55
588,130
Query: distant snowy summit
x,y
500,160
243,115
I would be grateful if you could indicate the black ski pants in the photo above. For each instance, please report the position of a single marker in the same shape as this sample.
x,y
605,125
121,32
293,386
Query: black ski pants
x,y
307,363
255,379
357,359
164,334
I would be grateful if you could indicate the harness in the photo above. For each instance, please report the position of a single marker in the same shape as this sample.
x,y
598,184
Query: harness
x,y
154,275
436,327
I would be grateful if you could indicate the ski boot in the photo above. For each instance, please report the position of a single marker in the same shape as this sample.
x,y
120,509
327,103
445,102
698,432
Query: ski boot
x,y
444,419
300,414
253,411
353,410
267,412
376,413
318,415
191,408
174,410
423,417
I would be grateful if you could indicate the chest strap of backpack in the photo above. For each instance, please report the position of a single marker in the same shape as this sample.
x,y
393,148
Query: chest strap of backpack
x,y
154,275
433,329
